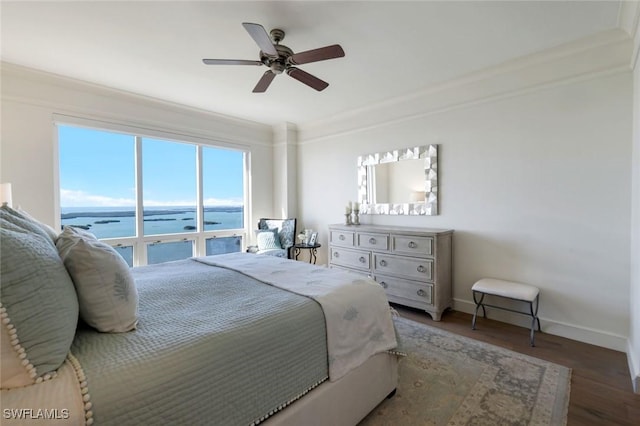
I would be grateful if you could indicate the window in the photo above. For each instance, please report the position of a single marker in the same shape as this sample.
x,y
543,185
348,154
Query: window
x,y
154,200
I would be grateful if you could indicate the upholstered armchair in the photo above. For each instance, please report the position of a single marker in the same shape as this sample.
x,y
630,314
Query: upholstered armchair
x,y
275,237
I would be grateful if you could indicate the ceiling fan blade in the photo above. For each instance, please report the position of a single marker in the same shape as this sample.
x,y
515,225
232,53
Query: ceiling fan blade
x,y
308,79
315,55
264,82
230,62
261,37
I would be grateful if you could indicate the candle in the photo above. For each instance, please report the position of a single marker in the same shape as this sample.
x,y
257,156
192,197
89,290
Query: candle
x,y
356,205
347,209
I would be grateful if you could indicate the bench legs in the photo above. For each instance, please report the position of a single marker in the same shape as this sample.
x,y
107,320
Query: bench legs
x,y
533,312
534,317
478,305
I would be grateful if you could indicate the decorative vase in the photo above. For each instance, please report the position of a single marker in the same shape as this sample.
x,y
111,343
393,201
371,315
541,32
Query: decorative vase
x,y
356,217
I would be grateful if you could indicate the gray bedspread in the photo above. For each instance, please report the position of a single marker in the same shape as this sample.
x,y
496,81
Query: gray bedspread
x,y
212,347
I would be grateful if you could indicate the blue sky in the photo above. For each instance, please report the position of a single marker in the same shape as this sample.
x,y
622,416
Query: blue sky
x,y
97,169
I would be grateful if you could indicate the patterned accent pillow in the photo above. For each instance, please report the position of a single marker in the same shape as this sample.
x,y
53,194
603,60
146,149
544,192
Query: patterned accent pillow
x,y
268,239
287,233
106,289
287,230
38,307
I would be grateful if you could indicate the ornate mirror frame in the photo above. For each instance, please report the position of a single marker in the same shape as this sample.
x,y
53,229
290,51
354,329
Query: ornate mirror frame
x,y
366,163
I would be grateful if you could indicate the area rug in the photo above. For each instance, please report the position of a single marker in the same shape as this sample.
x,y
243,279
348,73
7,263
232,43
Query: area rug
x,y
447,379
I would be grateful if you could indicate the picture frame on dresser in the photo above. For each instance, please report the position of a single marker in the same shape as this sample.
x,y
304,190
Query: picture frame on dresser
x,y
413,265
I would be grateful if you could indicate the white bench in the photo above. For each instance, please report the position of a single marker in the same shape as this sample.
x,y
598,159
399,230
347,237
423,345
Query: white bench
x,y
511,290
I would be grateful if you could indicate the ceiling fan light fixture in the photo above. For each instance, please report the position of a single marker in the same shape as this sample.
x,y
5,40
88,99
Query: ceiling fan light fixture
x,y
277,67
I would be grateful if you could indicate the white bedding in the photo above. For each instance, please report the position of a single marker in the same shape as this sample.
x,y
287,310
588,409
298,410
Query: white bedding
x,y
356,309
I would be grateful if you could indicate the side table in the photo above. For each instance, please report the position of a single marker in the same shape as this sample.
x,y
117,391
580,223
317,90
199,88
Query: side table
x,y
313,251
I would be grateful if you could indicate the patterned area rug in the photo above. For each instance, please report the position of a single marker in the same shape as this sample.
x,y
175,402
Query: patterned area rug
x,y
448,379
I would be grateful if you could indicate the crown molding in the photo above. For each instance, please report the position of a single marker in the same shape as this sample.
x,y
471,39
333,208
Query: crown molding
x,y
629,21
68,96
285,133
591,57
628,16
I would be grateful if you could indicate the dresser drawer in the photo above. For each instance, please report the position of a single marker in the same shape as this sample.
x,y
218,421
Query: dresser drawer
x,y
400,290
364,274
372,241
350,258
421,269
416,246
342,238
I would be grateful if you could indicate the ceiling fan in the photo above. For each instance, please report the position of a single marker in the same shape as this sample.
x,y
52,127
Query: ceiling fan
x,y
279,58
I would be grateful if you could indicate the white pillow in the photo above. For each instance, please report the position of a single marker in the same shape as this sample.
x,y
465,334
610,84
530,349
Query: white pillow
x,y
268,239
105,286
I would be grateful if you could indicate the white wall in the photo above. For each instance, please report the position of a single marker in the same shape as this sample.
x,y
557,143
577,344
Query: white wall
x,y
285,171
536,186
633,350
31,99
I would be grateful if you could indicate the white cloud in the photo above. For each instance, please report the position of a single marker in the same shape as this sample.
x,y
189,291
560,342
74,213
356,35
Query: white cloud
x,y
223,202
71,198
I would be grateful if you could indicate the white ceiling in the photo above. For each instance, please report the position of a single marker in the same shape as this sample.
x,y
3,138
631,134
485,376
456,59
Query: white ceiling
x,y
392,49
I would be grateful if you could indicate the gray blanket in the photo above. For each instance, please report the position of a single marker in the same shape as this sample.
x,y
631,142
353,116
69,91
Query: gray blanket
x,y
212,347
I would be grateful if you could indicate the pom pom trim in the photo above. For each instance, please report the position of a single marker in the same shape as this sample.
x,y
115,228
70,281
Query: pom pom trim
x,y
21,352
289,402
84,388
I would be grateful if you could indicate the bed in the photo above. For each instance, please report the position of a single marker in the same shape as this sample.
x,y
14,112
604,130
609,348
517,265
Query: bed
x,y
235,339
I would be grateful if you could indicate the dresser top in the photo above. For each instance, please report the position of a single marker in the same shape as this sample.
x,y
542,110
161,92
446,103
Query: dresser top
x,y
384,228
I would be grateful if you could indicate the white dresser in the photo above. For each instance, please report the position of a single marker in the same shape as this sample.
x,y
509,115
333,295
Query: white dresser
x,y
412,264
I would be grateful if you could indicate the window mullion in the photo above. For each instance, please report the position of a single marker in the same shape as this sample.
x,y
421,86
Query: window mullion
x,y
200,240
140,247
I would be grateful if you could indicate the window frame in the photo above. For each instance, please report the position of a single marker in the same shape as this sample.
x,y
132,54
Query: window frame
x,y
140,242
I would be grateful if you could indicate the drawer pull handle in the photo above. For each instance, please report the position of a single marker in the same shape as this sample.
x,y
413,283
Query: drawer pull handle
x,y
362,259
412,245
341,237
383,263
372,241
383,284
421,293
336,254
422,269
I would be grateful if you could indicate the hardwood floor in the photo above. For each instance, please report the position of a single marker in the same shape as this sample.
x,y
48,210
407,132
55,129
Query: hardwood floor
x,y
601,390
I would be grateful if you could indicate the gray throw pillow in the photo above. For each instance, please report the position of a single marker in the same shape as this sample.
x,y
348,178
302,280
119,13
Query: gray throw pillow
x,y
27,223
105,286
39,307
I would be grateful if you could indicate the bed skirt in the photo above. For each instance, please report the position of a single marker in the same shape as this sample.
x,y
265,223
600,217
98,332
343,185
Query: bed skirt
x,y
347,401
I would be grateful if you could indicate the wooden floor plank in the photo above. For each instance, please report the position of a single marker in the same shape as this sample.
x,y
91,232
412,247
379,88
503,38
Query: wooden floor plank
x,y
601,390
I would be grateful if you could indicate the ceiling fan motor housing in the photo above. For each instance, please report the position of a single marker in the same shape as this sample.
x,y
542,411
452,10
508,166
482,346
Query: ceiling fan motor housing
x,y
277,63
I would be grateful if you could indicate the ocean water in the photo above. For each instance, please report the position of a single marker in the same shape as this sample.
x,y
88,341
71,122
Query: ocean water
x,y
119,222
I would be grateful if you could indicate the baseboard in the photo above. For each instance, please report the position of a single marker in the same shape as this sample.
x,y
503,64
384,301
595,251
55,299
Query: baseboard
x,y
569,331
634,365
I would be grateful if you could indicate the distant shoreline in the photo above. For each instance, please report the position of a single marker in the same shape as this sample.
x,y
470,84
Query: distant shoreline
x,y
132,213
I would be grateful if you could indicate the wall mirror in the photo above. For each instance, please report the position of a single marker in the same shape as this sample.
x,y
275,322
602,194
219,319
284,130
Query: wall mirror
x,y
403,181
